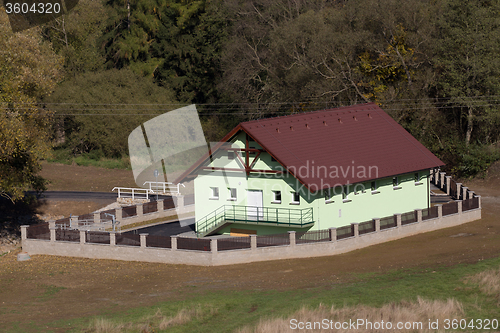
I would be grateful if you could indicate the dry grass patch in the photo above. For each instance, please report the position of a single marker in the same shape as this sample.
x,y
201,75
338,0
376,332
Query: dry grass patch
x,y
153,323
405,312
488,281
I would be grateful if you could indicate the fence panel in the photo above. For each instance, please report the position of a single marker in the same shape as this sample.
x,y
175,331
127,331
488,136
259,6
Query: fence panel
x,y
197,244
150,207
366,227
98,237
388,222
105,217
65,221
470,204
453,189
233,243
38,231
312,236
128,239
68,235
129,211
273,240
450,208
87,217
407,218
345,232
159,241
168,204
429,213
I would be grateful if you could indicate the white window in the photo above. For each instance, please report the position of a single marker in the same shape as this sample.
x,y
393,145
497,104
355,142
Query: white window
x,y
359,188
277,197
395,183
329,195
374,187
345,193
417,178
214,193
295,198
232,194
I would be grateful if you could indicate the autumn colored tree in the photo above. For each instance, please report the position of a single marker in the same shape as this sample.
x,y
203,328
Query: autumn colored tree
x,y
29,70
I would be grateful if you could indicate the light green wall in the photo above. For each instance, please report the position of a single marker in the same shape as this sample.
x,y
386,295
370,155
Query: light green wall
x,y
360,207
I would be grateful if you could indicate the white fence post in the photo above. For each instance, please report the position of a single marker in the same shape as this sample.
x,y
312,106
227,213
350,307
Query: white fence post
x,y
143,239
377,224
118,214
97,217
73,222
398,220
459,186
291,237
159,205
464,192
333,234
52,228
448,183
24,232
440,211
213,245
419,215
180,201
355,229
253,242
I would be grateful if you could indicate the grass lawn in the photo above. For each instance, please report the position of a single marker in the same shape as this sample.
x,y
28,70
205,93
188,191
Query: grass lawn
x,y
205,310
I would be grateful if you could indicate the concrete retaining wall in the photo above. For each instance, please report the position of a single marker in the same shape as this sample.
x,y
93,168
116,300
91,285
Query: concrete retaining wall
x,y
216,258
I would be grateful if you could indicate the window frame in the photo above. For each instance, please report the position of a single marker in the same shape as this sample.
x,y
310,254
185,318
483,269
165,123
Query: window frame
x,y
231,197
396,183
214,193
275,196
293,201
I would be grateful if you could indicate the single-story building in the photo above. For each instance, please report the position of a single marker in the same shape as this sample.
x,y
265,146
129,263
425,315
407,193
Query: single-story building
x,y
310,171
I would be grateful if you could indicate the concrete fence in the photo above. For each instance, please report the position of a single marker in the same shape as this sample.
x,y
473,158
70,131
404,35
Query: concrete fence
x,y
449,186
257,249
131,214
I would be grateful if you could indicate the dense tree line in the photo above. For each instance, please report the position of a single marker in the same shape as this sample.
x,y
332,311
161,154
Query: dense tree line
x,y
433,65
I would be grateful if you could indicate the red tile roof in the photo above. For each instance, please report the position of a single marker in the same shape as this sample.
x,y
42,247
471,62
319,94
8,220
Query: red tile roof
x,y
336,141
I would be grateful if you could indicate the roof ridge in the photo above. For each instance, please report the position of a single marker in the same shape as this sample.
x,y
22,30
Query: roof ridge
x,y
339,109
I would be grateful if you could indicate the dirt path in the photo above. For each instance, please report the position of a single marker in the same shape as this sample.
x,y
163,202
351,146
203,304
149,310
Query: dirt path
x,y
48,288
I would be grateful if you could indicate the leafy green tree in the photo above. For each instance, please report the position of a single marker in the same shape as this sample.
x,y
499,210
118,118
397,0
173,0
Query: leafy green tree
x,y
101,109
177,42
75,36
468,67
29,70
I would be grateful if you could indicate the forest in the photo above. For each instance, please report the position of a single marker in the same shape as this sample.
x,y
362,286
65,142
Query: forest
x,y
77,86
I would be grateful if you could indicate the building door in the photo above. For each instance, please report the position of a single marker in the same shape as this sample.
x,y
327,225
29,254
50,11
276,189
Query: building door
x,y
254,202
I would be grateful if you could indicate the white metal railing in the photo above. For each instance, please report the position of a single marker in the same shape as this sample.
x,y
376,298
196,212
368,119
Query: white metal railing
x,y
164,187
89,225
134,193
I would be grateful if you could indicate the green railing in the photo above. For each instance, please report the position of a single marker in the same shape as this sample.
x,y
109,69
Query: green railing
x,y
282,217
